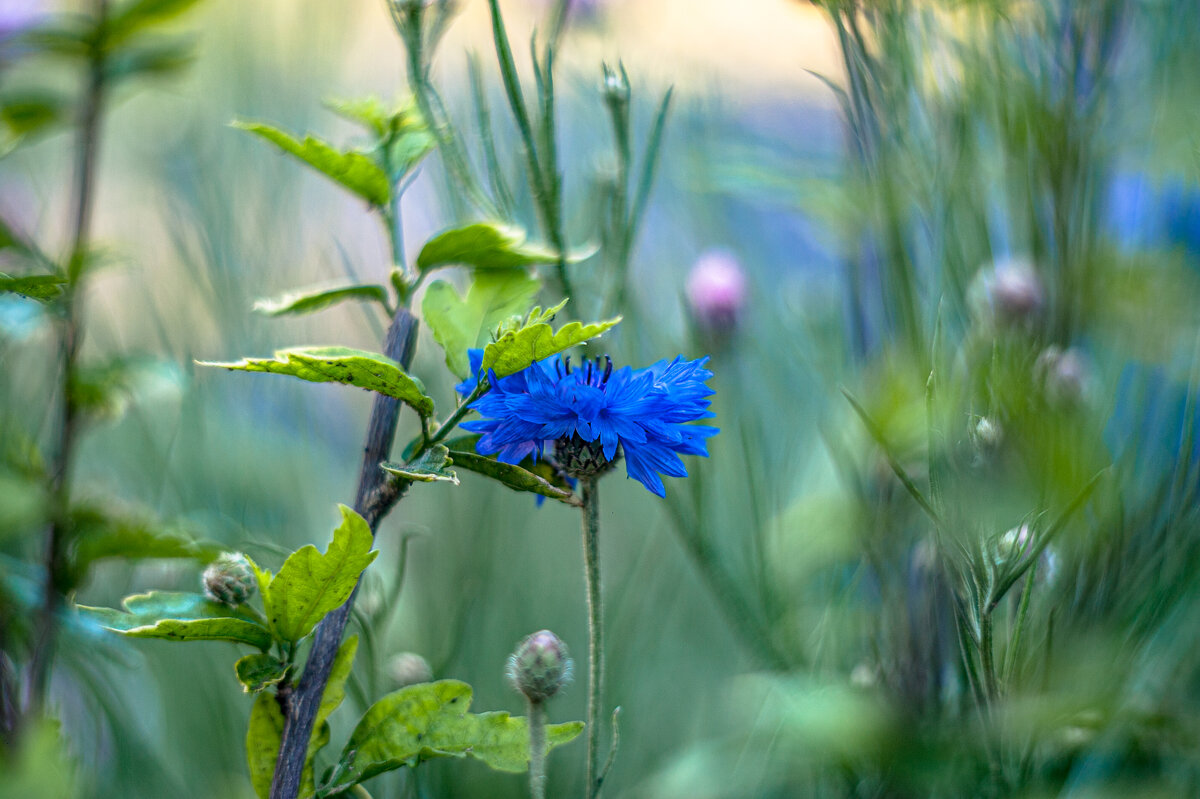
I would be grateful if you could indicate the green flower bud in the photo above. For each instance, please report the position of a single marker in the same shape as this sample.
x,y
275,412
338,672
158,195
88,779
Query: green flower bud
x,y
229,580
540,666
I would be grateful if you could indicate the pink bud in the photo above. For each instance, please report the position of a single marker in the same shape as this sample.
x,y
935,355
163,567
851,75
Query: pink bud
x,y
1009,294
716,290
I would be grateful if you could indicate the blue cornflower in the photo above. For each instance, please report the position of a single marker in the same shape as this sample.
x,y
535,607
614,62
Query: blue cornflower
x,y
593,415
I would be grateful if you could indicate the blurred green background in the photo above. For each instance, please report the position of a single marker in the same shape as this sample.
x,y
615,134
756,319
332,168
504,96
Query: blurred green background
x,y
773,625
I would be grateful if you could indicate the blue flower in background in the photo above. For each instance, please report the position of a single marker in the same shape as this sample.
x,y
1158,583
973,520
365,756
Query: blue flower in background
x,y
592,415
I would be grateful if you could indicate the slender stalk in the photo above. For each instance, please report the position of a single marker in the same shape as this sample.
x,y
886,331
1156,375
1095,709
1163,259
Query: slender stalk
x,y
544,181
591,563
87,145
537,749
376,496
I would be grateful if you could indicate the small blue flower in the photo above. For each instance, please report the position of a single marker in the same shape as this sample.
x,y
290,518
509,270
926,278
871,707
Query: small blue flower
x,y
593,415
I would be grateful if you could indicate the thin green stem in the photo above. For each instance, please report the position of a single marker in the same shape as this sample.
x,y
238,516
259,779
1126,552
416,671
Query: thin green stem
x,y
409,25
591,563
1014,645
69,343
987,656
544,181
537,749
456,417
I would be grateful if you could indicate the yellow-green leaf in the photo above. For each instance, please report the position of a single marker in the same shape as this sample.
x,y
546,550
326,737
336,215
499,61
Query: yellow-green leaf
x,y
258,671
517,349
367,370
311,584
36,287
263,737
356,171
180,617
459,324
303,301
432,720
488,245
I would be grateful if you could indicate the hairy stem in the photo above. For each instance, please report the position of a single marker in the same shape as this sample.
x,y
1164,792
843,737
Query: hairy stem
x,y
591,564
537,749
376,496
87,144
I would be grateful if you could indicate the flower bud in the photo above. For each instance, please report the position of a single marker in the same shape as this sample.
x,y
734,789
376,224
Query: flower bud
x,y
409,668
616,86
540,666
986,435
1008,294
1064,375
716,291
229,580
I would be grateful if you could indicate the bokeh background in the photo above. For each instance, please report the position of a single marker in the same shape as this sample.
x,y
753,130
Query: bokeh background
x,y
773,629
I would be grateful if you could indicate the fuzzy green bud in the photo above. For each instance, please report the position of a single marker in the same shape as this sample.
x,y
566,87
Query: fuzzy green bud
x,y
229,580
540,666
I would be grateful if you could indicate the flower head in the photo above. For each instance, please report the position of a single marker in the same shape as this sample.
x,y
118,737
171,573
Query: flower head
x,y
593,414
716,290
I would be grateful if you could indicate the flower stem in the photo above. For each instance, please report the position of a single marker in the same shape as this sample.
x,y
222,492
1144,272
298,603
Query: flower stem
x,y
537,749
591,563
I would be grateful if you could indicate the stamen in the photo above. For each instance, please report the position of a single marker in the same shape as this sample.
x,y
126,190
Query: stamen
x,y
567,361
607,369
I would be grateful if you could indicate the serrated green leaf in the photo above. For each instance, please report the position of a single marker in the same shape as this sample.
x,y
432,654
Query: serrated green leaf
x,y
259,671
180,617
303,301
36,287
460,324
488,245
311,584
502,741
517,349
433,465
263,736
99,533
513,476
353,170
367,370
432,720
